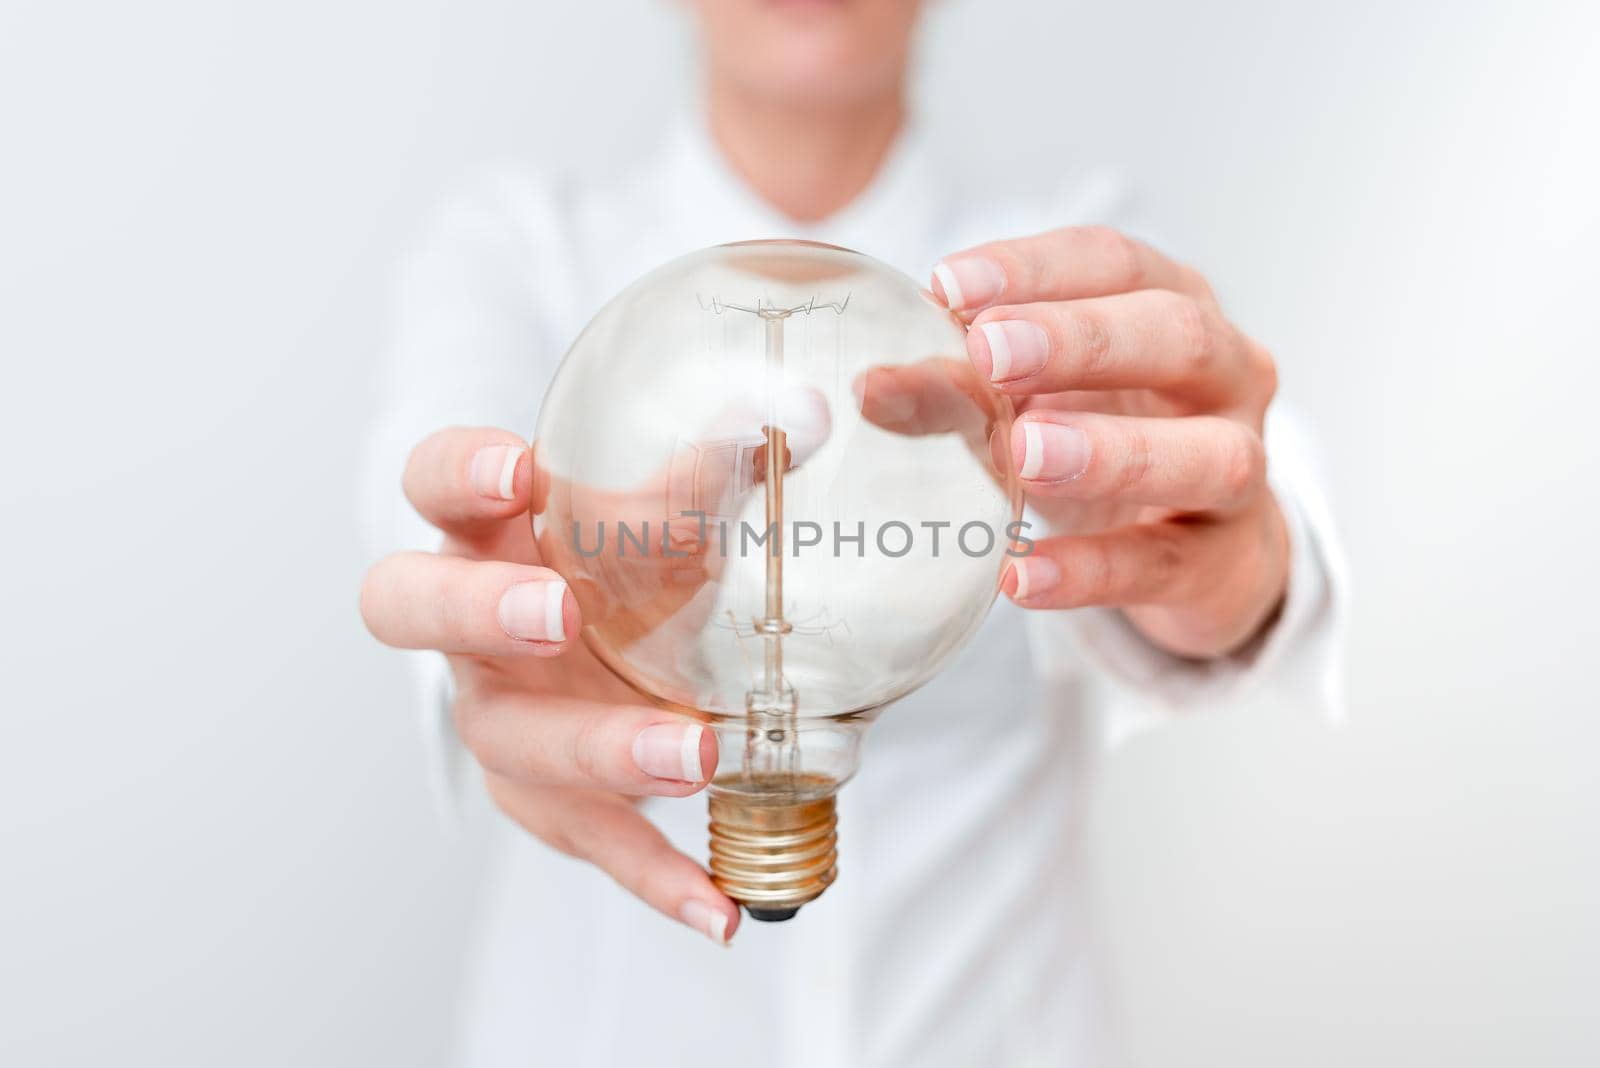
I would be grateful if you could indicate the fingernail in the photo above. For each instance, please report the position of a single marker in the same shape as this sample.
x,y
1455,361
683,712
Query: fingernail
x,y
1052,452
535,611
1034,575
712,923
805,416
894,409
1017,349
494,470
672,751
968,282
881,399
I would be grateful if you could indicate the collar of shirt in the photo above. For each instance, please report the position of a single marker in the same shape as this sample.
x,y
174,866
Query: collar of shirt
x,y
892,219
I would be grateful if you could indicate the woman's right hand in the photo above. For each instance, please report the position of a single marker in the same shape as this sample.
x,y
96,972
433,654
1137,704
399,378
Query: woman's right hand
x,y
565,747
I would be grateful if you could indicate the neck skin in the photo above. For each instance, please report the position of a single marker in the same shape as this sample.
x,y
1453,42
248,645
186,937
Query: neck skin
x,y
806,160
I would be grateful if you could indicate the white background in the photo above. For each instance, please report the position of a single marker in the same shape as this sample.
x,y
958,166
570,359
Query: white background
x,y
215,843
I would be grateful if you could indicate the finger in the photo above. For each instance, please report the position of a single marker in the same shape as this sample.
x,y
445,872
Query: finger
x,y
557,740
802,414
1151,563
710,474
1149,339
938,395
1199,463
1067,264
607,831
491,608
468,481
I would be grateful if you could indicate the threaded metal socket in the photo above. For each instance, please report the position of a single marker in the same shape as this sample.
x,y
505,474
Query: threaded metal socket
x,y
774,843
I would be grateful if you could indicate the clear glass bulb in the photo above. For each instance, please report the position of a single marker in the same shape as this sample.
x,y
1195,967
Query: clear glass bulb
x,y
783,499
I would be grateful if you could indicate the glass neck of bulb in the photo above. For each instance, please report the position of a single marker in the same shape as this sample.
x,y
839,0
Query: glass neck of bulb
x,y
774,840
770,749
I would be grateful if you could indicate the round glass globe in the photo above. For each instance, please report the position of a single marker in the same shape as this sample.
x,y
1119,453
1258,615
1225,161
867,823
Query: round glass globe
x,y
776,411
782,498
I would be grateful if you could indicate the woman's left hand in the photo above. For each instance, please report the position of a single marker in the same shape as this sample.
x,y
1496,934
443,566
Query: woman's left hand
x,y
1140,433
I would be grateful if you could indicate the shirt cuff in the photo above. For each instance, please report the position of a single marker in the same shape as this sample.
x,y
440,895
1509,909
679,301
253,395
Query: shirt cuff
x,y
1300,652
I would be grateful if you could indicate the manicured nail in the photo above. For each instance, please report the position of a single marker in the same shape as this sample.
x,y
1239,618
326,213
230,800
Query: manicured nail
x,y
535,611
805,417
713,923
1052,452
1034,575
894,408
672,751
494,469
968,282
1017,349
882,399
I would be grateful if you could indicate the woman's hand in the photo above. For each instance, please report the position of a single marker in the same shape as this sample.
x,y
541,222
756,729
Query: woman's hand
x,y
564,745
1140,436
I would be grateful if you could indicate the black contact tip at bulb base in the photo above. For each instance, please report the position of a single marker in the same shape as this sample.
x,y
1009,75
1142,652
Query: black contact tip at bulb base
x,y
771,915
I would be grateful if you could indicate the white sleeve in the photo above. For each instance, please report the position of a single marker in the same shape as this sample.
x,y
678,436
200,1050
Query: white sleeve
x,y
1300,655
470,347
1301,652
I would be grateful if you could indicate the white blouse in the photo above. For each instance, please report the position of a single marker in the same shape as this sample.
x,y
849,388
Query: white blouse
x,y
957,933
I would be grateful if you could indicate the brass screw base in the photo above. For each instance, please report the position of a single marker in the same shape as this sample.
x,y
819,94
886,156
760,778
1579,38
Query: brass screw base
x,y
774,846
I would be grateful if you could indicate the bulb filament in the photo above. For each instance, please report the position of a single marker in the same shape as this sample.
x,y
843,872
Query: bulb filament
x,y
772,738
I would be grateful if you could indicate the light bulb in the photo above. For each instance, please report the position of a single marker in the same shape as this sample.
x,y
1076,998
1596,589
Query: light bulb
x,y
783,499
